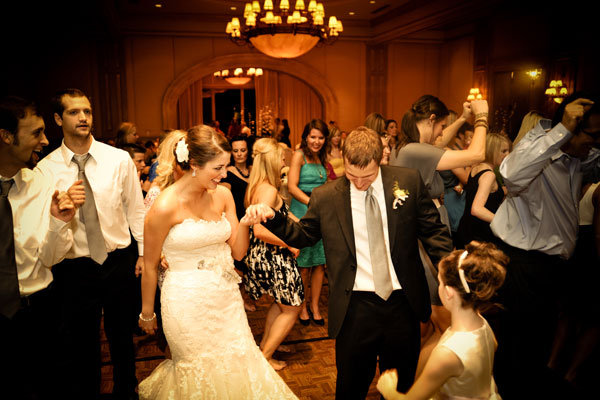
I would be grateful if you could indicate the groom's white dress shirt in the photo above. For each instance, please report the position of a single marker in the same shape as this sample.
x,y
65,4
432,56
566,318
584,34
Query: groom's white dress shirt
x,y
364,271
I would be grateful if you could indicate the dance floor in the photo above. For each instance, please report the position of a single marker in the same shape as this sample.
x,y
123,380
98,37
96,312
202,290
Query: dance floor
x,y
311,366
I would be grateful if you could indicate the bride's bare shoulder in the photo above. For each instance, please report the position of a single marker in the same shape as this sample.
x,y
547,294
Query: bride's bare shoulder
x,y
165,205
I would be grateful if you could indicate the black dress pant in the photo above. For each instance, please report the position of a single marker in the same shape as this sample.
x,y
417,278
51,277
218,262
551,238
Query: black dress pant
x,y
526,325
375,329
28,349
85,290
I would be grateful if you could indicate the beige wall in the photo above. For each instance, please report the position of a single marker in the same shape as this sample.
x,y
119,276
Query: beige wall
x,y
153,62
443,70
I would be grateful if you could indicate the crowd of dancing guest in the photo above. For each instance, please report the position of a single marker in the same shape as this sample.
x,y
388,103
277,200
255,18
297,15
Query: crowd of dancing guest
x,y
211,200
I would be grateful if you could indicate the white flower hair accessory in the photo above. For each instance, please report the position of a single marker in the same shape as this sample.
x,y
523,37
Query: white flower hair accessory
x,y
182,152
461,271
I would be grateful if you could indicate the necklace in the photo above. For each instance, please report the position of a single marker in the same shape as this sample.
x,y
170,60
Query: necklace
x,y
241,173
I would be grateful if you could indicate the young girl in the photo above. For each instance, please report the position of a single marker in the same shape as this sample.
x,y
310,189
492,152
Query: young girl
x,y
460,366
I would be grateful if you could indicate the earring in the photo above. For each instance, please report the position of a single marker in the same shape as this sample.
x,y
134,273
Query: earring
x,y
193,171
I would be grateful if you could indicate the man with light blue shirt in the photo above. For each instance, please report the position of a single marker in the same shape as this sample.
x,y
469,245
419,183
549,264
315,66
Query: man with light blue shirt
x,y
537,228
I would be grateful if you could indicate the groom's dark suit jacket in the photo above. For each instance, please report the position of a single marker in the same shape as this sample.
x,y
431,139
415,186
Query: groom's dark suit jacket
x,y
329,216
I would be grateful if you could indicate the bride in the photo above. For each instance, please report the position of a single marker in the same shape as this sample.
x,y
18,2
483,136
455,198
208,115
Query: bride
x,y
193,222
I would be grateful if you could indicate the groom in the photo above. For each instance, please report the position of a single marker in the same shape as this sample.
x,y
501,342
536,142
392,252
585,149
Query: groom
x,y
370,221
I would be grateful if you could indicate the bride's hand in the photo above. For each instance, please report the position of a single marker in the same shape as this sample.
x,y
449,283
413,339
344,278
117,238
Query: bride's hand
x,y
257,213
148,323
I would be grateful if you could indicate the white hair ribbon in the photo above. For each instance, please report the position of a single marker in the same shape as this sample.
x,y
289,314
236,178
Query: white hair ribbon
x,y
461,271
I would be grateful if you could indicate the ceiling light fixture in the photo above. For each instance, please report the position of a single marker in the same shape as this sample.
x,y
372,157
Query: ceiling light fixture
x,y
239,76
288,33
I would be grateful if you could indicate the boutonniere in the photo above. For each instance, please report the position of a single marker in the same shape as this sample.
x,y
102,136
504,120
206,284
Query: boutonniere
x,y
400,195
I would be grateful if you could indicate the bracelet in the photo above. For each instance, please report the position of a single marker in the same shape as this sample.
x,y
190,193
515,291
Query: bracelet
x,y
481,114
147,319
483,124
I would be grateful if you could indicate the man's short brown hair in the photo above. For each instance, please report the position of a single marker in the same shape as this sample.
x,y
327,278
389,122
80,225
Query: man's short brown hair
x,y
362,146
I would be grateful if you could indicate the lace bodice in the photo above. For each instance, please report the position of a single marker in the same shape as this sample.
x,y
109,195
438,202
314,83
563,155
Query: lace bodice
x,y
214,354
200,244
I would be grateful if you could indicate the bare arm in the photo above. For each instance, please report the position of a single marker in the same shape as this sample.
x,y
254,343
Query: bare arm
x,y
442,365
240,234
157,224
294,178
475,153
450,132
268,195
485,184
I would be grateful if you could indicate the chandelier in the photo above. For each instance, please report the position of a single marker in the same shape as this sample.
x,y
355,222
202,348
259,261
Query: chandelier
x,y
556,91
239,76
287,33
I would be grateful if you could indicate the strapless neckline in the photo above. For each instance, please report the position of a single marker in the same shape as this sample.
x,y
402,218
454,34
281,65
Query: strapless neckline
x,y
197,220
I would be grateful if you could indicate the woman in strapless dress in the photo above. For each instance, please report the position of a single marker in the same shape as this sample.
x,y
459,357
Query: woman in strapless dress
x,y
193,222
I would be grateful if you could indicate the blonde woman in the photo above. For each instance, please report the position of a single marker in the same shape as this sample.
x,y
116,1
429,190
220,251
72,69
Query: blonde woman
x,y
484,192
271,263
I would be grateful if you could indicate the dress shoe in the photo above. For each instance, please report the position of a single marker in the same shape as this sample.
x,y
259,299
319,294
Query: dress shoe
x,y
304,322
319,322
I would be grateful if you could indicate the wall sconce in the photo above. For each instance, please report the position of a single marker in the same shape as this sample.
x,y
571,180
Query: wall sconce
x,y
474,94
556,91
534,74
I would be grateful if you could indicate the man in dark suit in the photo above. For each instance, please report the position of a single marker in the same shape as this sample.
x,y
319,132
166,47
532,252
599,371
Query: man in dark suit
x,y
370,221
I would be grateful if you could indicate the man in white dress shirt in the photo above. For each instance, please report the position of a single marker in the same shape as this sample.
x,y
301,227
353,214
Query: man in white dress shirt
x,y
370,221
97,276
34,235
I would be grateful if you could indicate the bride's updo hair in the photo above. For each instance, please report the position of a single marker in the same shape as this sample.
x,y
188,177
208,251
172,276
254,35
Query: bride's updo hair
x,y
266,153
484,270
204,144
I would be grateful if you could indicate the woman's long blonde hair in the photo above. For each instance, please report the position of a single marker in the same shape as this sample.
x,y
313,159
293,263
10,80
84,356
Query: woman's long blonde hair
x,y
166,159
266,166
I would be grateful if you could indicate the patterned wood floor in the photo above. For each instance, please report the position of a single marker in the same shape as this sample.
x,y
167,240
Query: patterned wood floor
x,y
311,366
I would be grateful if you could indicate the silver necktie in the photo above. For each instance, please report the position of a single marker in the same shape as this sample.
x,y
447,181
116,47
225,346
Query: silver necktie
x,y
379,260
88,215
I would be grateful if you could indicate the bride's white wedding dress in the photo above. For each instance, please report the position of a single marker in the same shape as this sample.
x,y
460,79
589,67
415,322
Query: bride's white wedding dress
x,y
214,353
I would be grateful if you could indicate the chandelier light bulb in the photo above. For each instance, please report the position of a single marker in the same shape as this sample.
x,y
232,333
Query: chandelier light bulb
x,y
284,5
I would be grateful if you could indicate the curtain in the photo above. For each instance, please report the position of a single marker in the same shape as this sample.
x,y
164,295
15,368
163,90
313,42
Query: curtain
x,y
189,106
267,94
286,97
298,103
278,95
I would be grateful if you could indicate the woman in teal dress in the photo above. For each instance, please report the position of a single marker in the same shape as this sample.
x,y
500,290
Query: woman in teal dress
x,y
308,171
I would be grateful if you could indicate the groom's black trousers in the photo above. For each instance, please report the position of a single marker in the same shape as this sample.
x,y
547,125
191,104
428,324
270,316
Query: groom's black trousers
x,y
85,291
374,328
